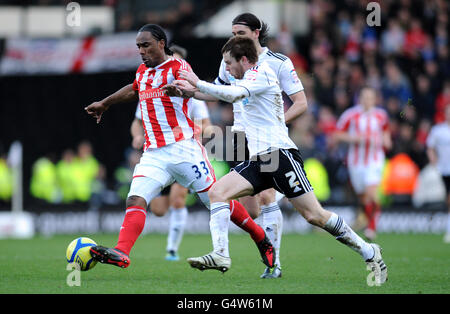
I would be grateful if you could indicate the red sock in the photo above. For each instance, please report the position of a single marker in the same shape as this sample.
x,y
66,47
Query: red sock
x,y
242,219
376,211
132,226
372,212
369,209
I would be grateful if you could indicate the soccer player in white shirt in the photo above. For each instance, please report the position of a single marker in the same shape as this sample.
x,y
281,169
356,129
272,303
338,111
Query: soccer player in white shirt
x,y
268,143
264,203
365,128
438,151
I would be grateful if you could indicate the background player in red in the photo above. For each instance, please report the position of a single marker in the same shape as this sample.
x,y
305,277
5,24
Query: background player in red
x,y
365,128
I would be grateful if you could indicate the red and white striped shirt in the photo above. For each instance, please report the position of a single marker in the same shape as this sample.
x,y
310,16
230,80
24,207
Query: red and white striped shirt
x,y
370,124
165,119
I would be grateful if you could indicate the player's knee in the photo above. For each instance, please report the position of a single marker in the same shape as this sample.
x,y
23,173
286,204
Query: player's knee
x,y
158,212
135,200
215,194
267,197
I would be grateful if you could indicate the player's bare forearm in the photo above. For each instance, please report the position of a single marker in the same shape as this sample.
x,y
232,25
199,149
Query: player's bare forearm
x,y
387,141
341,136
299,106
432,155
137,132
123,95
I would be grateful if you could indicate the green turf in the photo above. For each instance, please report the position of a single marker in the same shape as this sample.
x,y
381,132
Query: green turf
x,y
313,263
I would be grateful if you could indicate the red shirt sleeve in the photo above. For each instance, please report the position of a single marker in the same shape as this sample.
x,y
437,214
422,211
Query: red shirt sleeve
x,y
183,65
138,75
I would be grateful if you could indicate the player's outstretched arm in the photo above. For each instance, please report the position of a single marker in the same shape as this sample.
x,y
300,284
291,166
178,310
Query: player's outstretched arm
x,y
137,133
299,106
123,95
227,93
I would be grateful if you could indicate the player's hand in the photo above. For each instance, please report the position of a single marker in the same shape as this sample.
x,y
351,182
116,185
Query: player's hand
x,y
172,90
185,87
138,141
191,77
96,110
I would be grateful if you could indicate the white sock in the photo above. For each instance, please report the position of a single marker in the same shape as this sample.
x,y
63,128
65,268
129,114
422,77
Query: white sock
x,y
218,224
343,233
273,226
178,217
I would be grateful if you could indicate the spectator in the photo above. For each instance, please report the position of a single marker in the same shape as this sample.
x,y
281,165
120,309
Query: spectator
x,y
392,39
395,84
443,99
65,170
424,99
415,40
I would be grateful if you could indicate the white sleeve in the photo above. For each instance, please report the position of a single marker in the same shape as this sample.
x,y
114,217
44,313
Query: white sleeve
x,y
289,80
222,78
255,80
199,110
228,93
138,114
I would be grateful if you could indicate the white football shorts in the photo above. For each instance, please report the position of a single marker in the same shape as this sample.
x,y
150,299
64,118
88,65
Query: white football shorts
x,y
185,162
362,177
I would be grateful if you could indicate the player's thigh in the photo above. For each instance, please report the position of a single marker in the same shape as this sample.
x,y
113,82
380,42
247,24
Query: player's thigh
x,y
267,197
231,186
357,177
144,187
178,195
194,170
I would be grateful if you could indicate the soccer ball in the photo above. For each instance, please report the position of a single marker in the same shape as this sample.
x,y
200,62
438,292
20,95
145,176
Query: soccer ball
x,y
78,252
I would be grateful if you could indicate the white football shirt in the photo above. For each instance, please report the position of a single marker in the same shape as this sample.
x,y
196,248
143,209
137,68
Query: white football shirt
x,y
263,111
280,64
439,139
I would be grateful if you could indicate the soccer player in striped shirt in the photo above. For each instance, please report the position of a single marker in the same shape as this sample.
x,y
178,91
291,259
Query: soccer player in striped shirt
x,y
170,151
365,128
172,198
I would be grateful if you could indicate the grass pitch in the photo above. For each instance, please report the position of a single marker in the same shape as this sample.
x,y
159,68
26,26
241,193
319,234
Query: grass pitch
x,y
312,263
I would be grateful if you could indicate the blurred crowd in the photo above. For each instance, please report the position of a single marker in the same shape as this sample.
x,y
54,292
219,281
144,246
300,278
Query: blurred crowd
x,y
405,59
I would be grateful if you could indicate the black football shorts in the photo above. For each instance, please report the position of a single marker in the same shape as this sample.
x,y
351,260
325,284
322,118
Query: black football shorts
x,y
281,169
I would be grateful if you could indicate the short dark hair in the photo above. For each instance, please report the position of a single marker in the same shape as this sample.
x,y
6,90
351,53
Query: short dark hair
x,y
240,46
158,33
253,22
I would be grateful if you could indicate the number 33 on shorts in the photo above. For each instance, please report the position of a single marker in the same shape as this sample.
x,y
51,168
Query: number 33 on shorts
x,y
198,170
